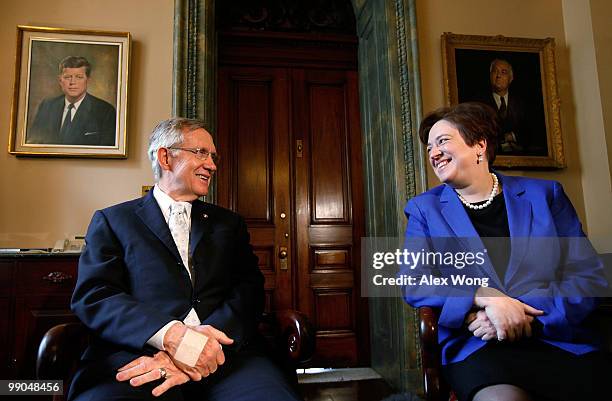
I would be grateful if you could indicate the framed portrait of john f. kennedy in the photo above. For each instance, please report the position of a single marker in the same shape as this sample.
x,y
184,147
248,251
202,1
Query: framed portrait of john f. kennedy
x,y
516,77
70,93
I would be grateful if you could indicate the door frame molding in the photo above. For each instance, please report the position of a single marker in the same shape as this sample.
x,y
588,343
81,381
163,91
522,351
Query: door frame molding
x,y
388,29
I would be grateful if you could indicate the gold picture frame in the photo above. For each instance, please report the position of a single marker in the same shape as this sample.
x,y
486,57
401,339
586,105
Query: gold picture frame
x,y
70,72
531,124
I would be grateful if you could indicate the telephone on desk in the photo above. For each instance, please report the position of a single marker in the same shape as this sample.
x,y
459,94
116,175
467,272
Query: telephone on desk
x,y
69,245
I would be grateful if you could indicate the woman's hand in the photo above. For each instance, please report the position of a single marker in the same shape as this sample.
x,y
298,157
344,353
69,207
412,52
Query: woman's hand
x,y
479,324
510,317
147,369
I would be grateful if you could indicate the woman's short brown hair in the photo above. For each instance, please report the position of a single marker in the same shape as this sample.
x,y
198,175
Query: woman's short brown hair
x,y
474,121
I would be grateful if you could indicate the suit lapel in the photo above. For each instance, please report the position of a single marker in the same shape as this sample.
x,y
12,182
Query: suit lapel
x,y
519,221
457,218
200,224
455,214
152,217
58,113
201,229
79,119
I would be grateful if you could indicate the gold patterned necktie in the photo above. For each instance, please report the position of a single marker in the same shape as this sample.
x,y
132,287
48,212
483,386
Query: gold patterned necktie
x,y
177,222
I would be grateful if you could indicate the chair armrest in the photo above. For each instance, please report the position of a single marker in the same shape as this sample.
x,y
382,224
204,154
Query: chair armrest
x,y
293,334
61,347
60,350
430,354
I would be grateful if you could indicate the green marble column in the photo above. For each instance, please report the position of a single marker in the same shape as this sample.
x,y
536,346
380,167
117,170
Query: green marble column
x,y
393,165
194,87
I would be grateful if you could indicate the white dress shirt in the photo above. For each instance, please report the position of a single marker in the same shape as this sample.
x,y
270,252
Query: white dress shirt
x,y
165,201
74,109
498,99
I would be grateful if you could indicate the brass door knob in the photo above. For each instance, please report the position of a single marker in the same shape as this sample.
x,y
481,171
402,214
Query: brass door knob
x,y
282,255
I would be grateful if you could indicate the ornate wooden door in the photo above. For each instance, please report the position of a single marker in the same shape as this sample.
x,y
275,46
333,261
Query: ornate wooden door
x,y
291,166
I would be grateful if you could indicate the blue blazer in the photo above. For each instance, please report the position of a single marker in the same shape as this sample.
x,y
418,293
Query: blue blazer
x,y
131,280
536,208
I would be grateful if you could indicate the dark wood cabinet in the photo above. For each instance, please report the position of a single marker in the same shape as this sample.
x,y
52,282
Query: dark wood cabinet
x,y
35,295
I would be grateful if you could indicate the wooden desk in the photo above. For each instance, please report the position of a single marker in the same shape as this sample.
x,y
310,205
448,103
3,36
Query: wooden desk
x,y
35,293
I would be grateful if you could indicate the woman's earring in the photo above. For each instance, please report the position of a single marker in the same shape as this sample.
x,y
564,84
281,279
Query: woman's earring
x,y
479,160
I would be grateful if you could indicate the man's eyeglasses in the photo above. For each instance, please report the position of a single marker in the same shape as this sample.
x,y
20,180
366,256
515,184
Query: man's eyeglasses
x,y
201,153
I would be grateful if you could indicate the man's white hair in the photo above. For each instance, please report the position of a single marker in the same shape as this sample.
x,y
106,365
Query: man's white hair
x,y
169,133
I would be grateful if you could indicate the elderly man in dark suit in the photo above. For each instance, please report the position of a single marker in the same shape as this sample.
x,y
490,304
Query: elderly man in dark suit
x,y
512,109
75,117
170,288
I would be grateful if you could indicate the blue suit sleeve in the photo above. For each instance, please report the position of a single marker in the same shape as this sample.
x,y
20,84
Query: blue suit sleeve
x,y
456,303
238,316
101,298
569,300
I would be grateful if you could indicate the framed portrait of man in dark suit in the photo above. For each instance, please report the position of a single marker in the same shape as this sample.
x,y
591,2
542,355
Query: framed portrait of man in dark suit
x,y
516,77
70,93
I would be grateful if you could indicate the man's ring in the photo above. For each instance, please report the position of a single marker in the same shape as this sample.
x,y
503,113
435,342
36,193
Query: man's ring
x,y
162,373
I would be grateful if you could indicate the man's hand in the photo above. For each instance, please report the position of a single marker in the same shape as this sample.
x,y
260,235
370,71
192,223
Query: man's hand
x,y
510,317
147,369
211,355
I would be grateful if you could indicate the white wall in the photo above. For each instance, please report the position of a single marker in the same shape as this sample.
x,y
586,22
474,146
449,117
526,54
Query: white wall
x,y
592,148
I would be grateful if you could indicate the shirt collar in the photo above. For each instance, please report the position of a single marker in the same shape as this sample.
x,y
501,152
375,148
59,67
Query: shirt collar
x,y
76,104
498,98
165,201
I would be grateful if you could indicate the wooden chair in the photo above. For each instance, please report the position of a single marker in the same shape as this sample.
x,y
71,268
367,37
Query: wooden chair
x,y
60,349
436,389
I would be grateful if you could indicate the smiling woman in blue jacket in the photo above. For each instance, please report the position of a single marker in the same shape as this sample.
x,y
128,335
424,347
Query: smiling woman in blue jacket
x,y
522,336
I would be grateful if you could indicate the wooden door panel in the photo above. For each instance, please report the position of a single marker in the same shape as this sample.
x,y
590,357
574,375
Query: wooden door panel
x,y
331,259
328,234
334,311
251,139
330,200
322,281
339,349
328,239
253,177
265,256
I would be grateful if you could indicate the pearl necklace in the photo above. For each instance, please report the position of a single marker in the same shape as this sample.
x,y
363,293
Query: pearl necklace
x,y
489,200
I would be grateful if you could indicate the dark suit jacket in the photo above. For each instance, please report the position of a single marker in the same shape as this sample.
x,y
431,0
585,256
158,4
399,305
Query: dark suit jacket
x,y
93,124
517,119
541,271
131,280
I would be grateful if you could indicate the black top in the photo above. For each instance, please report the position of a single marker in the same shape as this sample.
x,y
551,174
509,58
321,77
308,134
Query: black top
x,y
491,224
